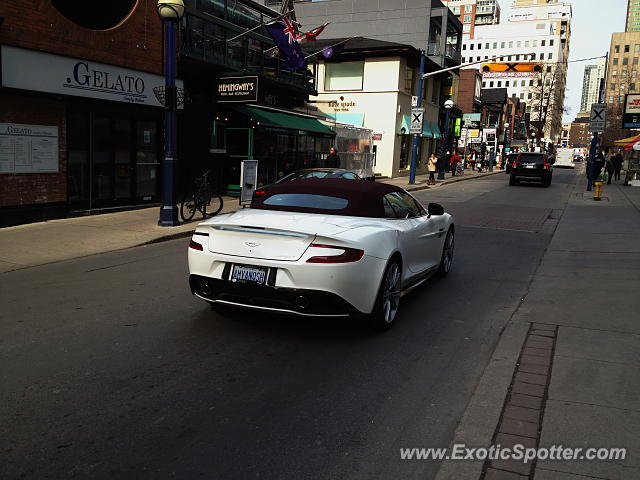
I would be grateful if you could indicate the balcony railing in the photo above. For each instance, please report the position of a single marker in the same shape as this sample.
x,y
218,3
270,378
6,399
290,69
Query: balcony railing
x,y
451,51
205,39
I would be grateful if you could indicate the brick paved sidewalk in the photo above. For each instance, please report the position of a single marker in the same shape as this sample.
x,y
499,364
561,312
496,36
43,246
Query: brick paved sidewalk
x,y
566,370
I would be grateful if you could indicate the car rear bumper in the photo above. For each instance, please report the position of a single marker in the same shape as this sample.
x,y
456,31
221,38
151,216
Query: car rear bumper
x,y
528,175
267,298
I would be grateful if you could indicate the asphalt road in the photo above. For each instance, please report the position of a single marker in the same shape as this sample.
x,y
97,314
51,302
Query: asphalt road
x,y
109,367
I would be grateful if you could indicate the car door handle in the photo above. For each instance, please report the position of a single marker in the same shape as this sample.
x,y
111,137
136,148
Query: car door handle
x,y
440,232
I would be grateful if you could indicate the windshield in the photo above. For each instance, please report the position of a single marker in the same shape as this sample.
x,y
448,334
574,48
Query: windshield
x,y
305,200
531,158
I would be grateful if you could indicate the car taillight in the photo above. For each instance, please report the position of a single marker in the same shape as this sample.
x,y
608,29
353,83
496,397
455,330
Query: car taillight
x,y
260,192
546,165
345,255
196,246
515,163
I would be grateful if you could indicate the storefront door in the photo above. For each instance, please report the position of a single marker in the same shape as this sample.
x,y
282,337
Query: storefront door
x,y
113,160
239,142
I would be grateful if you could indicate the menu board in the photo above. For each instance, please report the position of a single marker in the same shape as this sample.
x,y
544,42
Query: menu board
x,y
28,148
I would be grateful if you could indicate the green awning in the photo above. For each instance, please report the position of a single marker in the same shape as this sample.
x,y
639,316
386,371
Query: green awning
x,y
272,118
426,130
436,130
406,122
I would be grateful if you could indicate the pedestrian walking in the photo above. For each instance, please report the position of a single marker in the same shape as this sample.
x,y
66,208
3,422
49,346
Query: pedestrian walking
x,y
455,159
617,165
472,161
480,163
443,161
610,168
432,164
333,159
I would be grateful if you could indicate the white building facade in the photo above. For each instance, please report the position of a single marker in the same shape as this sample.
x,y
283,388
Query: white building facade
x,y
534,33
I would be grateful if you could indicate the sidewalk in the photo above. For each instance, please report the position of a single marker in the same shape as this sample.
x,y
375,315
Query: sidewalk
x,y
567,367
421,180
56,240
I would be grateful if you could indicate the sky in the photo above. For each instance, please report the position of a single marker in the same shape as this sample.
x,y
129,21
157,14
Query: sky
x,y
591,30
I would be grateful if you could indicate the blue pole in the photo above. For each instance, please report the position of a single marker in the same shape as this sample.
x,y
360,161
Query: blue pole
x,y
416,136
445,144
169,210
592,161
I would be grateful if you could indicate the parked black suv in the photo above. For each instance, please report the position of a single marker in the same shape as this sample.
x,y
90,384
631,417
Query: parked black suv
x,y
532,167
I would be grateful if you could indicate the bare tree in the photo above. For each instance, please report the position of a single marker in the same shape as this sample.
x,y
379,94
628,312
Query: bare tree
x,y
615,109
547,99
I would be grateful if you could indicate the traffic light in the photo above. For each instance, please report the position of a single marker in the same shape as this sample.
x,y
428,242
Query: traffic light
x,y
508,67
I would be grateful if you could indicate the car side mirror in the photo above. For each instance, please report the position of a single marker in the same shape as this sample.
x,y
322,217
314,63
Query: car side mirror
x,y
435,209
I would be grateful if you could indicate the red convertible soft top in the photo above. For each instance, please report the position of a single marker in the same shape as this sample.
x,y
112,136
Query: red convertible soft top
x,y
363,199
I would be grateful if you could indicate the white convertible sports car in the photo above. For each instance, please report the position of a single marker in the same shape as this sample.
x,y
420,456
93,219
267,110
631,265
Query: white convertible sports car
x,y
322,248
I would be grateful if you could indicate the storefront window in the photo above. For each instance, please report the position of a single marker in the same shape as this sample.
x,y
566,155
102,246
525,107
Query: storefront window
x,y
147,164
235,52
344,76
254,55
78,183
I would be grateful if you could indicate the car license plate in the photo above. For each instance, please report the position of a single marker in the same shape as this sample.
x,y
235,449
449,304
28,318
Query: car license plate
x,y
529,166
243,273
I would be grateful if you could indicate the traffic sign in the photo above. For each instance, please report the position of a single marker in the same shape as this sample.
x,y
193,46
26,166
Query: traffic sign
x,y
414,101
598,117
417,116
509,67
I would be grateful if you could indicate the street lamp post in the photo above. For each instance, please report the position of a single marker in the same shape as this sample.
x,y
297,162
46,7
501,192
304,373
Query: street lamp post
x,y
533,141
504,144
448,105
170,12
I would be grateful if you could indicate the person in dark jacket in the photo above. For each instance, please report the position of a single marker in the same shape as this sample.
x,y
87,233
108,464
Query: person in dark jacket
x,y
333,159
598,165
617,165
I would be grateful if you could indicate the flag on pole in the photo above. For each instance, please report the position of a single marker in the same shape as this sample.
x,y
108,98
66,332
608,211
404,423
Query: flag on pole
x,y
312,34
283,34
332,50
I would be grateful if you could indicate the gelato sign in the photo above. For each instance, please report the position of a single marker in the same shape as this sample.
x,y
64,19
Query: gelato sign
x,y
238,89
43,72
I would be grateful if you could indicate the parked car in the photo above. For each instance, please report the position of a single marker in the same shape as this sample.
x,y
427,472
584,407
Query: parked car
x,y
532,167
322,248
306,173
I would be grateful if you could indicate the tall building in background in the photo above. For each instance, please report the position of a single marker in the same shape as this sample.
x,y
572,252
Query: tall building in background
x,y
622,78
473,13
535,31
593,74
633,16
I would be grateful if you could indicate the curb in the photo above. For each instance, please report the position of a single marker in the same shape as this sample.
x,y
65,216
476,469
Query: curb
x,y
453,180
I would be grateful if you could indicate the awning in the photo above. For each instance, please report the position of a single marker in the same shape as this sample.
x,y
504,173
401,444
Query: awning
x,y
355,119
406,122
426,130
280,119
436,130
626,141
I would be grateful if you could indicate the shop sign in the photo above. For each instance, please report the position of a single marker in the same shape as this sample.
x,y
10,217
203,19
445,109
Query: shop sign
x,y
377,137
631,116
238,89
341,106
45,72
28,148
471,117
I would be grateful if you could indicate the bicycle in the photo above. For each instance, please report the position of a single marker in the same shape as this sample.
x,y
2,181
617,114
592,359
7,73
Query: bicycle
x,y
203,199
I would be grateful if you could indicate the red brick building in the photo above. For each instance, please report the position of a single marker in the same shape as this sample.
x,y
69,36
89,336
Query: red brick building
x,y
81,118
73,74
579,134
